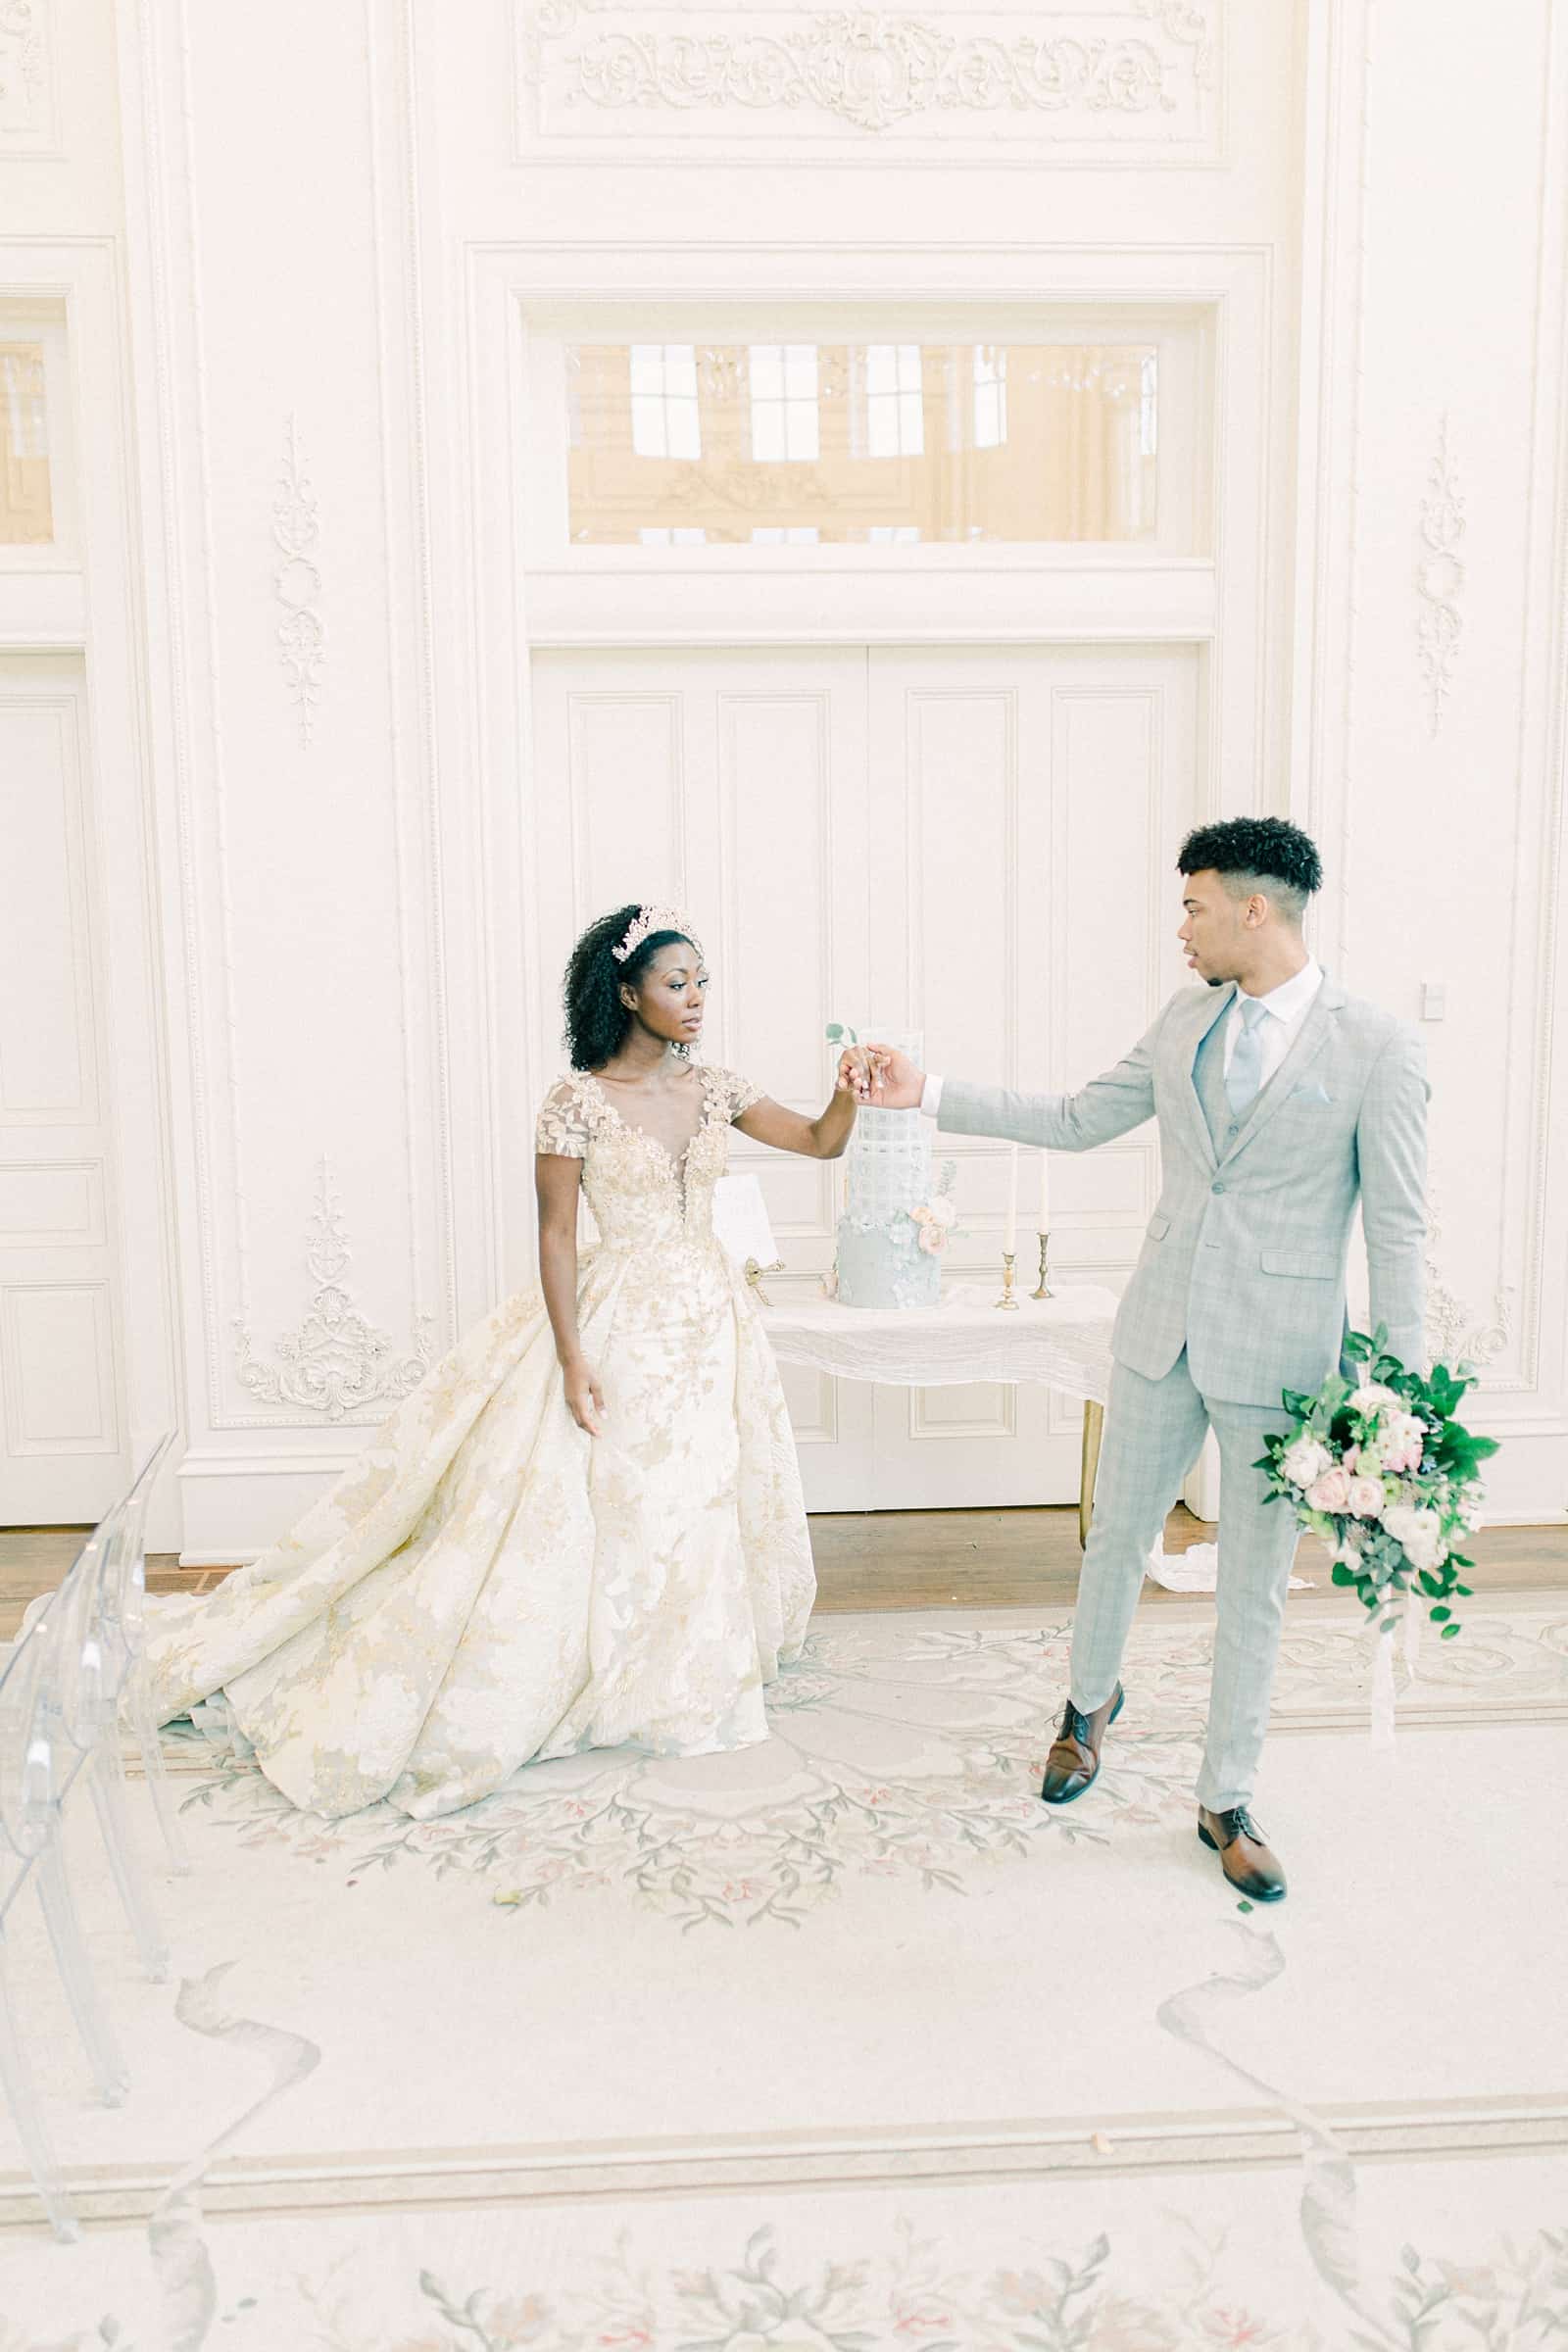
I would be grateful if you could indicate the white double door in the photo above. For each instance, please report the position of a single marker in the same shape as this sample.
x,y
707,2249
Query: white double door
x,y
974,843
63,1451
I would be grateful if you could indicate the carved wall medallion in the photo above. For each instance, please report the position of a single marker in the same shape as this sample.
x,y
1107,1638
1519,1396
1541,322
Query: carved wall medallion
x,y
1453,1336
335,1363
1133,72
26,108
297,582
1439,577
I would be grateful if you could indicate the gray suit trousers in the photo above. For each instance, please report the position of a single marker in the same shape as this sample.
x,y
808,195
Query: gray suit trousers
x,y
1154,1431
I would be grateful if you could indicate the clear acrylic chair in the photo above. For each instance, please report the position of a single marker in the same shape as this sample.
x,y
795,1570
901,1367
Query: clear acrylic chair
x,y
30,1778
93,1666
123,1591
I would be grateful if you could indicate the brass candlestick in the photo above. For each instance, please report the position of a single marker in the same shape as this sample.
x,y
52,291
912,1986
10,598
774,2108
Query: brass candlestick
x,y
755,1273
1044,1289
1008,1259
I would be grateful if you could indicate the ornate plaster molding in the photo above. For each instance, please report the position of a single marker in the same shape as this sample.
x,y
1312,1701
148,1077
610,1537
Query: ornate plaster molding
x,y
27,77
1001,74
1452,1332
335,1363
297,581
1440,576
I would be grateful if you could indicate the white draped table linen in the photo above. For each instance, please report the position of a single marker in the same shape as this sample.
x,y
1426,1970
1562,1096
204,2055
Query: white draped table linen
x,y
1060,1343
1057,1343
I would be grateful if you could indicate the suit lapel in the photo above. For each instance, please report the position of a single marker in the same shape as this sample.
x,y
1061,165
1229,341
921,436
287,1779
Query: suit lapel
x,y
1195,1118
1306,1046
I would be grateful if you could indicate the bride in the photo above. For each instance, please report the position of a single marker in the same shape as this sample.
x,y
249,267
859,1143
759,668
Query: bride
x,y
585,1526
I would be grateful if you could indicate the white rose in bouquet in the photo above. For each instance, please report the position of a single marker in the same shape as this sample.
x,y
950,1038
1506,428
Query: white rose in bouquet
x,y
1306,1461
1418,1532
1365,1498
1401,1442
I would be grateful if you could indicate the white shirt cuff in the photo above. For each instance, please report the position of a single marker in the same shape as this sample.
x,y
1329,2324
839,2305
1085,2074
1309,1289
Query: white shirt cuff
x,y
931,1096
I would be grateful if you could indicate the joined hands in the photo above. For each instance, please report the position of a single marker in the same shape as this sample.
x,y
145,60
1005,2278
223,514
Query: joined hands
x,y
881,1077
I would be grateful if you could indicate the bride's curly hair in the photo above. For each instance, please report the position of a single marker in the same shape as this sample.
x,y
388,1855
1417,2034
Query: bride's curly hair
x,y
597,1021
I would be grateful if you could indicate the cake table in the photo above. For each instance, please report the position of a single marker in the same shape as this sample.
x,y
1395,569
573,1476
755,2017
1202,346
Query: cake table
x,y
1061,1343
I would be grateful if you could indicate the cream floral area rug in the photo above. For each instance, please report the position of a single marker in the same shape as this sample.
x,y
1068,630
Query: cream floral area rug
x,y
847,2042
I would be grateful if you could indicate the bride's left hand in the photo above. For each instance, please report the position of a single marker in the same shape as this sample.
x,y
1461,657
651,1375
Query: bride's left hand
x,y
859,1073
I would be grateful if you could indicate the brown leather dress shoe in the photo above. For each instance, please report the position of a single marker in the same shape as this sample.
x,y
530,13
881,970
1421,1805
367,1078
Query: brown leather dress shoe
x,y
1242,1855
1074,1762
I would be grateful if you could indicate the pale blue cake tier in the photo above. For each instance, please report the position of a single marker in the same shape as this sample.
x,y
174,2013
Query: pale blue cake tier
x,y
886,1267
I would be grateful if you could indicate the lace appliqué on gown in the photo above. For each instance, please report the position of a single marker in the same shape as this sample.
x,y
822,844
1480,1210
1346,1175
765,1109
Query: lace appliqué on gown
x,y
487,1584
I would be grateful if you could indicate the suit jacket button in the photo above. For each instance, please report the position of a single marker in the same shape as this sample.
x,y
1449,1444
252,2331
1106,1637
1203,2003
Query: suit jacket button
x,y
1216,1188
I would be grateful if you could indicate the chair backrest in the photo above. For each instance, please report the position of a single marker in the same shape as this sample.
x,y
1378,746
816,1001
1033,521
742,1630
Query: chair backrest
x,y
87,1636
123,1583
34,1770
81,1676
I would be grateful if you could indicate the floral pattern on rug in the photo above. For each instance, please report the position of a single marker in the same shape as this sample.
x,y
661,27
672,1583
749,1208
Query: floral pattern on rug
x,y
921,1761
920,2293
898,1750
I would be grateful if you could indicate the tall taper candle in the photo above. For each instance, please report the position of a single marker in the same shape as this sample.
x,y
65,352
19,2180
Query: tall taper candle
x,y
1045,1191
1010,1246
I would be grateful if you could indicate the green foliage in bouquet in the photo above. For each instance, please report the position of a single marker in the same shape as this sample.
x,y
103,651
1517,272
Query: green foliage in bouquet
x,y
1380,1469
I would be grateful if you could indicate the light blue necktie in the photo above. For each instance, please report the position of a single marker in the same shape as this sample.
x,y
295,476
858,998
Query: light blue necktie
x,y
1245,1073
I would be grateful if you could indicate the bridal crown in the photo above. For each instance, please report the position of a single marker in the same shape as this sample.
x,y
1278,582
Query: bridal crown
x,y
649,920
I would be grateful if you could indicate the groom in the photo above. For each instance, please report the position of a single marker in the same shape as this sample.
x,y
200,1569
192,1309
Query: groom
x,y
1280,1101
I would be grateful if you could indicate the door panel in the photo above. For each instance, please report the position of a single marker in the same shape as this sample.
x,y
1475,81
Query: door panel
x,y
62,1453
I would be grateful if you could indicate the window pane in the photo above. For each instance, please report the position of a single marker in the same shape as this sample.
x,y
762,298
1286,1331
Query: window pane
x,y
26,507
886,444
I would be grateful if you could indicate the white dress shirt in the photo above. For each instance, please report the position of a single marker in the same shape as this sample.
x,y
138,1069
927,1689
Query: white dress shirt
x,y
1288,1006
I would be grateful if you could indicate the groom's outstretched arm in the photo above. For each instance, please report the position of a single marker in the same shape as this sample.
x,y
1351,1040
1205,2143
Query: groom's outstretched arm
x,y
1122,1097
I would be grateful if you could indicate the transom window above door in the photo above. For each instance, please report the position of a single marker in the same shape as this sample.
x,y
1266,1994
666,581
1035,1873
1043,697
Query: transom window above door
x,y
35,502
1047,433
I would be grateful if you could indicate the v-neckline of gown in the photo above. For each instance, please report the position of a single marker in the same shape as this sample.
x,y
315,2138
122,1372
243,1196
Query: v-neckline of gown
x,y
676,1162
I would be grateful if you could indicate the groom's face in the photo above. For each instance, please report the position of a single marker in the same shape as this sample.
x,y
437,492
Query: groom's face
x,y
1213,930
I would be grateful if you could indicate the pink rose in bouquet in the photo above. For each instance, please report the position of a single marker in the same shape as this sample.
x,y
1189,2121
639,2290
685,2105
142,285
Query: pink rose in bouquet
x,y
1332,1490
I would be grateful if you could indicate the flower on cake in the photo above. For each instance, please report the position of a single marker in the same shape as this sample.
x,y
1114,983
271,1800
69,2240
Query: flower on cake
x,y
936,1219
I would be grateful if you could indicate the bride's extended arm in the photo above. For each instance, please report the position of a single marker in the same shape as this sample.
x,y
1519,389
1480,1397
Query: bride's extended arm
x,y
827,1135
558,1181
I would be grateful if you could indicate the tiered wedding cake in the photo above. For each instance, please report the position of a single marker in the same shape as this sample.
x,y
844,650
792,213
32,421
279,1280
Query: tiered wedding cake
x,y
889,1205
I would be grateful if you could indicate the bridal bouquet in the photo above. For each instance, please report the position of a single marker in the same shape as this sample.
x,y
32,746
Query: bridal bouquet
x,y
1380,1470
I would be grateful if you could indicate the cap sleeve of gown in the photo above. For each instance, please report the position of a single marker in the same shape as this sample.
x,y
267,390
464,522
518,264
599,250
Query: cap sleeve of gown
x,y
563,1127
735,1092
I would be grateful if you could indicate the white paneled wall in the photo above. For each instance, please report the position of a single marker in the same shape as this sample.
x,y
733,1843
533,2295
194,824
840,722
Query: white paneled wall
x,y
353,758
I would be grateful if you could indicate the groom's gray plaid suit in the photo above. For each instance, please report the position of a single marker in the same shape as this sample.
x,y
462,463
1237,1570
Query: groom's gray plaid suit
x,y
1239,1292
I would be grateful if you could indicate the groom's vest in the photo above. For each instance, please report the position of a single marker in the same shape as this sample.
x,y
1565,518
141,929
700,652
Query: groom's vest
x,y
1208,1076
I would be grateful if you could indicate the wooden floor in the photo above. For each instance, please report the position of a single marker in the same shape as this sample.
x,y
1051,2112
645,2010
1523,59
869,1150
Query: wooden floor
x,y
888,1561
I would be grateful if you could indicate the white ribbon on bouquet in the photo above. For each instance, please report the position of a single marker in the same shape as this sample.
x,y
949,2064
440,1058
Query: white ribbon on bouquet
x,y
1381,1733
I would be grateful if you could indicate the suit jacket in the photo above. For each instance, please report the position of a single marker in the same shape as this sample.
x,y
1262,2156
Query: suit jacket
x,y
1244,1261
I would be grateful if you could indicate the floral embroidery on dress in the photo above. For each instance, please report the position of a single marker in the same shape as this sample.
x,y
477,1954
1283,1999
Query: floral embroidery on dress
x,y
566,1118
733,1093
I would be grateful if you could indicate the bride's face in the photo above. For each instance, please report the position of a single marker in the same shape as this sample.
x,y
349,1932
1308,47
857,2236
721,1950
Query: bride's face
x,y
667,996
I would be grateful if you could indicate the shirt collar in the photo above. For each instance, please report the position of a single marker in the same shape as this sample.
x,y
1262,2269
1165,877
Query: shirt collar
x,y
1293,997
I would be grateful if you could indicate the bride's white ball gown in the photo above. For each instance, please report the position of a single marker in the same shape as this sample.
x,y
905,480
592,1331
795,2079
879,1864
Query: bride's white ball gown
x,y
487,1583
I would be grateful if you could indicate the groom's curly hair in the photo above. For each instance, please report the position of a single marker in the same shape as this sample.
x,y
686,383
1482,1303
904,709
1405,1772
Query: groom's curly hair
x,y
1262,853
597,1021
